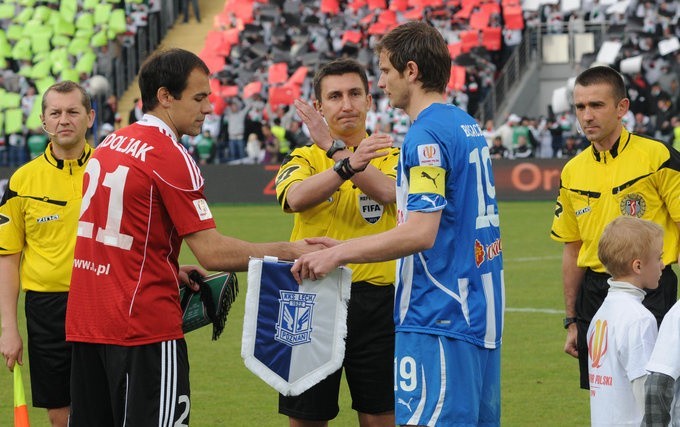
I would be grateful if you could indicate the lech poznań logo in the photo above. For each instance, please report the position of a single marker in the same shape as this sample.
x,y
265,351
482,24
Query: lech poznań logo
x,y
294,326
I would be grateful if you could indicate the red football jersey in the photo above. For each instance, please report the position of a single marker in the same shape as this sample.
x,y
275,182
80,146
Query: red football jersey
x,y
142,192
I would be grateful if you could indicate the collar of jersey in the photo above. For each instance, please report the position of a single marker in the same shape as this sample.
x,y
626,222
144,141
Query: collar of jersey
x,y
151,120
73,163
617,148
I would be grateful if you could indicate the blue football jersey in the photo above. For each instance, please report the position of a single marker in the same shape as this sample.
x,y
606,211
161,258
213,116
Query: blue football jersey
x,y
456,287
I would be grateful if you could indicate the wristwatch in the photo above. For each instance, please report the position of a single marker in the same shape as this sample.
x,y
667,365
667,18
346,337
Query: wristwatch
x,y
336,146
568,321
342,168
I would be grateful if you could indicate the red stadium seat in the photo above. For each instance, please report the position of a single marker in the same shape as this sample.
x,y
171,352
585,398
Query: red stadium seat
x,y
330,6
491,38
251,89
457,79
278,73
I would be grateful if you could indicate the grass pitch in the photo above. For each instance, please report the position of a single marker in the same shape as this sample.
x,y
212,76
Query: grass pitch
x,y
539,381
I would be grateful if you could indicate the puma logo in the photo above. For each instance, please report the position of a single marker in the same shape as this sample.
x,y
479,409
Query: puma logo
x,y
426,175
427,199
407,404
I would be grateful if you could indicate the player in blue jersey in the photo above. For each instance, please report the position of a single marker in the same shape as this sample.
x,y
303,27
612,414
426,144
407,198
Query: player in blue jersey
x,y
449,289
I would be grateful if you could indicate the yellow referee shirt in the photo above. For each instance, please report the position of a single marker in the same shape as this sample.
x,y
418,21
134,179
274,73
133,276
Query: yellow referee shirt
x,y
347,214
637,177
39,216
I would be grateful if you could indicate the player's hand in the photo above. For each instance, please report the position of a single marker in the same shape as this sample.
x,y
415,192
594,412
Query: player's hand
x,y
318,129
570,346
370,148
304,246
325,242
11,348
184,271
314,266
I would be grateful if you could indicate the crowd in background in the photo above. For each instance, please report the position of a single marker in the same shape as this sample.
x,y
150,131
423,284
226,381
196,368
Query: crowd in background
x,y
247,128
83,40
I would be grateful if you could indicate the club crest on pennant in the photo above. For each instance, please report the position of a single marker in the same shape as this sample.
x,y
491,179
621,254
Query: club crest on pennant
x,y
294,326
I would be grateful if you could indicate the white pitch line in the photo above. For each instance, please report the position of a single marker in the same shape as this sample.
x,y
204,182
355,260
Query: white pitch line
x,y
533,310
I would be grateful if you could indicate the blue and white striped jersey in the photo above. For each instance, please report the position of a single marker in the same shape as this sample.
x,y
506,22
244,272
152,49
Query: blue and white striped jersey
x,y
456,287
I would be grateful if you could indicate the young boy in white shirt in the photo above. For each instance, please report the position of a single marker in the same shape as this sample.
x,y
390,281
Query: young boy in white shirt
x,y
661,386
622,333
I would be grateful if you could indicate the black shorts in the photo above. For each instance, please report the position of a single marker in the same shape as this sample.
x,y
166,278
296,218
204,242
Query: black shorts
x,y
592,293
49,353
135,386
368,363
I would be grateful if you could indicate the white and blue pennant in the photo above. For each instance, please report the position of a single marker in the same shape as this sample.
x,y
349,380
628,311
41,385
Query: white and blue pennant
x,y
294,335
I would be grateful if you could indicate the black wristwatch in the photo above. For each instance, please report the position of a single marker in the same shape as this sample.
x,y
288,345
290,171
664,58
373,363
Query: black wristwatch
x,y
343,169
336,146
568,321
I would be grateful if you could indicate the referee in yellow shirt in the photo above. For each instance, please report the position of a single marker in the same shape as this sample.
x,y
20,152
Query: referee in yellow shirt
x,y
619,174
344,187
38,221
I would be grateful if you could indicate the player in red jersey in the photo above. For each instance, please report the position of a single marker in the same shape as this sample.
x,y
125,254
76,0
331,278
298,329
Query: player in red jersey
x,y
142,195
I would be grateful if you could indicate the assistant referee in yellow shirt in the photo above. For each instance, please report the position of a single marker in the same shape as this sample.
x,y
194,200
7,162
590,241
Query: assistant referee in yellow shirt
x,y
38,221
619,174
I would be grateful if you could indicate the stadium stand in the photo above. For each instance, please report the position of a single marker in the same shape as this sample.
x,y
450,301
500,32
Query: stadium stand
x,y
263,54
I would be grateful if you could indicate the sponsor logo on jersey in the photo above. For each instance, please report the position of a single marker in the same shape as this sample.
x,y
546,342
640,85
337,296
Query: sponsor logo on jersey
x,y
429,155
294,326
633,204
583,211
488,252
47,218
202,209
597,343
370,210
4,219
479,253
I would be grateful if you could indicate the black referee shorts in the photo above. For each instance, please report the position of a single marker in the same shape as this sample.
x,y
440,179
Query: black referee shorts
x,y
49,353
592,293
368,363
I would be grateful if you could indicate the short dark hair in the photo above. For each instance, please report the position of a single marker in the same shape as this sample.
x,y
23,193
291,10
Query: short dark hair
x,y
423,44
67,86
339,67
603,75
169,69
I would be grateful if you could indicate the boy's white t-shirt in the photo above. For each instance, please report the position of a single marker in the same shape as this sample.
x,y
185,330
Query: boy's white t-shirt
x,y
666,355
620,338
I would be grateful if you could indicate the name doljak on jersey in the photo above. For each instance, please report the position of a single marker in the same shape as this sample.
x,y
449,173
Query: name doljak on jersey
x,y
125,145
